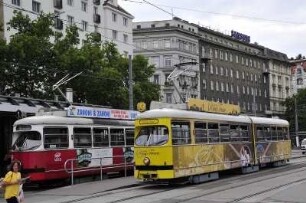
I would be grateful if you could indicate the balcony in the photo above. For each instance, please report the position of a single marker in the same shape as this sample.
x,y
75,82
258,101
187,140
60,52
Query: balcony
x,y
265,71
58,4
58,24
96,2
97,18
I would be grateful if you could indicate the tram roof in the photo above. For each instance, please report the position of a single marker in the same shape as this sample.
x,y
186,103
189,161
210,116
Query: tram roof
x,y
59,120
269,121
177,113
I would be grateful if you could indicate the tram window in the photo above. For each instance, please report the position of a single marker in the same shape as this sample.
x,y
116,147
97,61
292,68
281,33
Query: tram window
x,y
56,138
27,140
117,137
260,134
273,133
224,132
180,133
200,132
152,136
100,136
213,132
129,136
280,135
285,134
267,133
82,137
245,133
235,133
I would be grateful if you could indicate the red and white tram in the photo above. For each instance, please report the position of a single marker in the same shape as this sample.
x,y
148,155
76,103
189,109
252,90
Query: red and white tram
x,y
44,143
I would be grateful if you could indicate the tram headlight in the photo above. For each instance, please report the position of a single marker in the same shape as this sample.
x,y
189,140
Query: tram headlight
x,y
146,161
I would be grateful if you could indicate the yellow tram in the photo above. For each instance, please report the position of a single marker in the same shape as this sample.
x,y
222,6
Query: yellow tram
x,y
172,144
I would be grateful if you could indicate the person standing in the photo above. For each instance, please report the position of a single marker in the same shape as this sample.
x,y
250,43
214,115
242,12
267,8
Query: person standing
x,y
12,181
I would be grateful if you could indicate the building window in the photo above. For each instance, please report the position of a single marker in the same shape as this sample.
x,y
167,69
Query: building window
x,y
114,17
70,2
70,20
222,86
238,91
217,86
167,61
216,53
221,71
237,74
125,21
84,6
114,34
231,57
211,69
169,98
231,73
16,2
237,59
167,43
125,38
84,25
156,79
95,10
212,85
155,61
217,72
35,6
155,44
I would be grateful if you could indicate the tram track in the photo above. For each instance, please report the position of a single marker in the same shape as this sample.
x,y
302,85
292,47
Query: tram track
x,y
208,185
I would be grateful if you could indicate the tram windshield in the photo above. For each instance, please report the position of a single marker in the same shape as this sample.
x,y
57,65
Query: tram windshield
x,y
152,136
28,140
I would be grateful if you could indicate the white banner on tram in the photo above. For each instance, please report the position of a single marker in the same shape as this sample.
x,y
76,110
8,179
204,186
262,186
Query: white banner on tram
x,y
91,112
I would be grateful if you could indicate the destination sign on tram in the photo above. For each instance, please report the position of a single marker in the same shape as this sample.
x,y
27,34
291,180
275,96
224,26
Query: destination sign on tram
x,y
91,112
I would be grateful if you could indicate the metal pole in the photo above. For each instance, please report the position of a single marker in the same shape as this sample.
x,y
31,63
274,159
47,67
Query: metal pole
x,y
101,172
296,124
124,166
130,84
72,172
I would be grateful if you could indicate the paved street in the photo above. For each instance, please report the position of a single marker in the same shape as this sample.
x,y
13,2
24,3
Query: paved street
x,y
101,188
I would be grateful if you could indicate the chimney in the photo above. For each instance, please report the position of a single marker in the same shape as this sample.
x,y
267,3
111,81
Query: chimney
x,y
69,94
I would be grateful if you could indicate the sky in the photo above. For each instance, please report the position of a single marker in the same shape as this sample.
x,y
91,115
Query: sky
x,y
277,24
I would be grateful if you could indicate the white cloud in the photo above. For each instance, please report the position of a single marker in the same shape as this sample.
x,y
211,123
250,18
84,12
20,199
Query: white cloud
x,y
284,37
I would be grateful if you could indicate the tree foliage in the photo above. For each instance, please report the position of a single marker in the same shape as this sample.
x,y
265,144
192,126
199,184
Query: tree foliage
x,y
36,57
300,101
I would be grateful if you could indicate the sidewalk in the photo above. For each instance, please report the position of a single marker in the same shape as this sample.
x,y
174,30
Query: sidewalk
x,y
71,193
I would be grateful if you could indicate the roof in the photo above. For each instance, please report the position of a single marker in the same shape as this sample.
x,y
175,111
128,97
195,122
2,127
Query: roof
x,y
61,120
119,8
30,105
175,113
180,114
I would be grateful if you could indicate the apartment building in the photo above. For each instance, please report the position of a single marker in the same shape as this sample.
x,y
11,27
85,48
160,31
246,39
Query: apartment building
x,y
172,46
298,74
106,18
229,68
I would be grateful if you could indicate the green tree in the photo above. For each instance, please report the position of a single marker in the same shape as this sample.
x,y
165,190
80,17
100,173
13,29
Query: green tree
x,y
289,103
38,57
30,54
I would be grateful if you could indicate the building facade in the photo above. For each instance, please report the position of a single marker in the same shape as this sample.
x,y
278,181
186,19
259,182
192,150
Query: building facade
x,y
233,72
228,69
280,85
172,46
88,15
298,74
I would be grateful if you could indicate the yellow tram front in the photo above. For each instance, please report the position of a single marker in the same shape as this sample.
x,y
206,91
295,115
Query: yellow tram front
x,y
153,151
